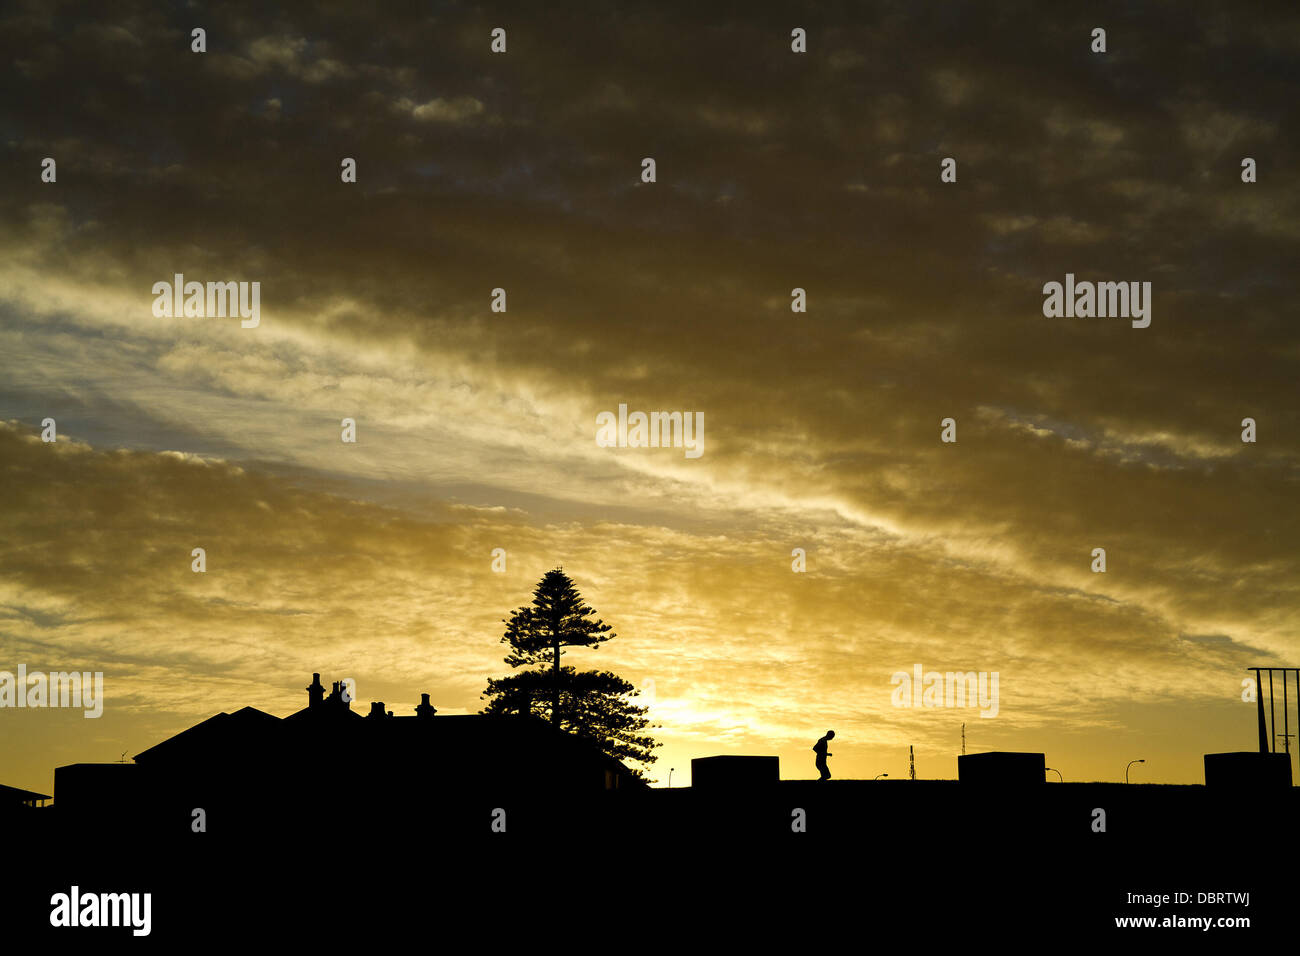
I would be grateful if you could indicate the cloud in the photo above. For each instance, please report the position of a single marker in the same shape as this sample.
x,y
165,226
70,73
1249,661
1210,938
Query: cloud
x,y
439,110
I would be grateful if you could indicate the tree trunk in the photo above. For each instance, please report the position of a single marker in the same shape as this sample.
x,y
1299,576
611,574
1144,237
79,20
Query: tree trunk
x,y
555,696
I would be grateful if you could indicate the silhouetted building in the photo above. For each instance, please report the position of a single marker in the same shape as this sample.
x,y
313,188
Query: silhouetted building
x,y
731,771
329,755
1248,769
1002,767
13,798
105,789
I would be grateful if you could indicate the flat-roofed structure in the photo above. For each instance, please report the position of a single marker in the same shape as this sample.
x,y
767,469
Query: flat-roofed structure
x,y
1002,768
708,773
1248,769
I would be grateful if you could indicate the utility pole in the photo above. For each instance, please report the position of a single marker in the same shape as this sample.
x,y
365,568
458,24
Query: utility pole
x,y
963,740
911,763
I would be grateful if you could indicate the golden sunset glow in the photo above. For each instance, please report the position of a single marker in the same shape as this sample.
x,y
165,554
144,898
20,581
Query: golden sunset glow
x,y
476,430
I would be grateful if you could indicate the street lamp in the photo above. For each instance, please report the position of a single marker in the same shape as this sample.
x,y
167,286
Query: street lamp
x,y
879,775
1130,763
1057,772
670,777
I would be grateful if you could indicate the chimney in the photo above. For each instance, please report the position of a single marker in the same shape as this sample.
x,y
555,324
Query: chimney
x,y
339,698
315,693
425,709
376,709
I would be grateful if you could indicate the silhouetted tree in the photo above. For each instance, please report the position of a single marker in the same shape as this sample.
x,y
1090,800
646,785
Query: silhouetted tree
x,y
593,705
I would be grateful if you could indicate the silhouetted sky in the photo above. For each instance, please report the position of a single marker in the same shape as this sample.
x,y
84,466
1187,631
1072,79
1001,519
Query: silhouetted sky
x,y
476,430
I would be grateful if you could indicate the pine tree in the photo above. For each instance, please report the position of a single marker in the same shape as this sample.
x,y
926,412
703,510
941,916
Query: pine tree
x,y
593,705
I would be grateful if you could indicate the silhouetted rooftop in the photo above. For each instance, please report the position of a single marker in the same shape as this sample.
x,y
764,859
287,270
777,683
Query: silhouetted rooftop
x,y
18,795
424,753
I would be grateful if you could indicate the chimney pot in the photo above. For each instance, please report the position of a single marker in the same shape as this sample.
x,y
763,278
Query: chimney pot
x,y
315,693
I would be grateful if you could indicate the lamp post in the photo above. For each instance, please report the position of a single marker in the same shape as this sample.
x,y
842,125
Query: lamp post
x,y
670,777
879,775
1130,763
1058,773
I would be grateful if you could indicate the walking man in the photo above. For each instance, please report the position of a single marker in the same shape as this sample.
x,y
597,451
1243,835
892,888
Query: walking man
x,y
820,749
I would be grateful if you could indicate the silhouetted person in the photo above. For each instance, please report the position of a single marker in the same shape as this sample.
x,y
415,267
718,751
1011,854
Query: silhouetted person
x,y
819,748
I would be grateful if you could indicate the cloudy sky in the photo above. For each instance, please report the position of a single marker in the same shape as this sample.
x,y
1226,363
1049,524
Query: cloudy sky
x,y
476,429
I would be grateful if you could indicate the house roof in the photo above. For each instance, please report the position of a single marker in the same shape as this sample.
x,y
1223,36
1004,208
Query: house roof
x,y
17,793
217,730
250,734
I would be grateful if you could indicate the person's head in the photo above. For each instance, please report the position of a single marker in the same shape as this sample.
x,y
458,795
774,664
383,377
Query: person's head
x,y
830,734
